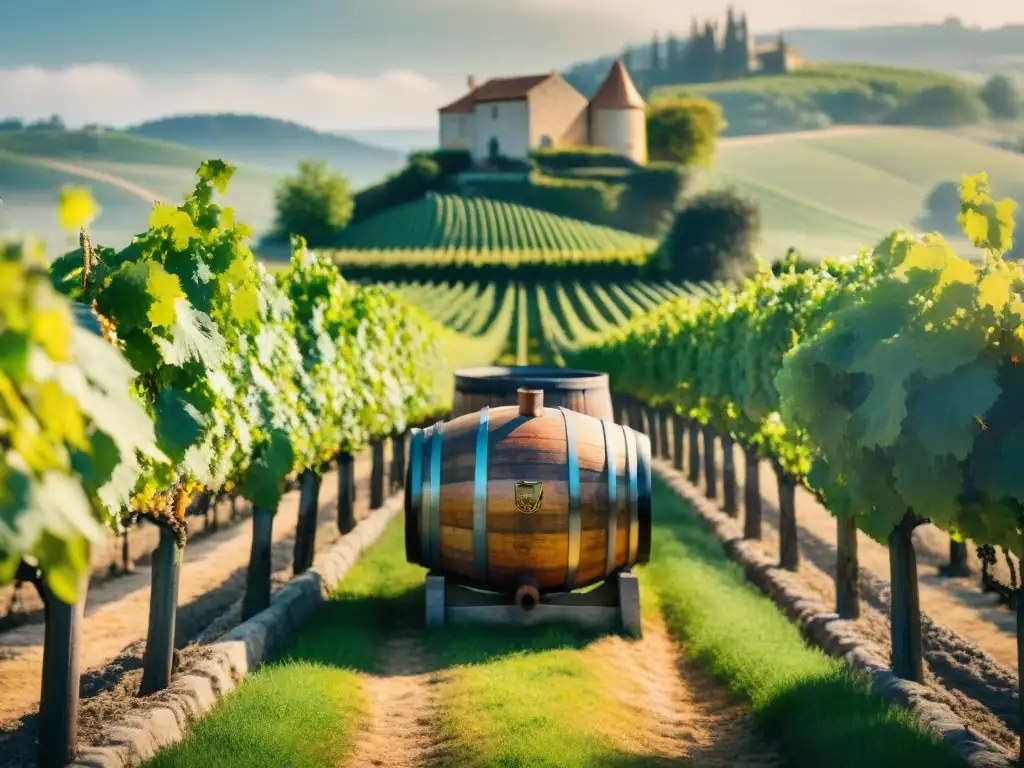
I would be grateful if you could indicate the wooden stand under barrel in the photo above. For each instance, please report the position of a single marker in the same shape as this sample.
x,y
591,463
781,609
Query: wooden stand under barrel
x,y
536,504
614,604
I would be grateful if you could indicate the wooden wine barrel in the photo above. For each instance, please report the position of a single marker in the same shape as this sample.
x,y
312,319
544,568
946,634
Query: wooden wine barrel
x,y
580,391
502,498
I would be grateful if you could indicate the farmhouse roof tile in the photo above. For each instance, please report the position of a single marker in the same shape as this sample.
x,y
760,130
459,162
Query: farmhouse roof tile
x,y
497,89
618,91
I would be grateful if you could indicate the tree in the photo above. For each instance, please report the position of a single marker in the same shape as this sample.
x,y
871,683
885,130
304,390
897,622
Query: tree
x,y
941,208
941,106
1002,97
316,204
684,130
713,237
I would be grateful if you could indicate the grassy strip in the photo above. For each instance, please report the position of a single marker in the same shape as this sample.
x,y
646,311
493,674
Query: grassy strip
x,y
818,711
304,710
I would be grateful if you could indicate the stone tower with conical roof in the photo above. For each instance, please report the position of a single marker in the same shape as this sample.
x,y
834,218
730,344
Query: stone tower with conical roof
x,y
618,118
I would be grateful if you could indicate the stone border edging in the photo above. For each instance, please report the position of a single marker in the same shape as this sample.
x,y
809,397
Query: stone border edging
x,y
837,637
236,654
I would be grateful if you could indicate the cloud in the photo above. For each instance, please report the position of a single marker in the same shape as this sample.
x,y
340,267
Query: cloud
x,y
112,95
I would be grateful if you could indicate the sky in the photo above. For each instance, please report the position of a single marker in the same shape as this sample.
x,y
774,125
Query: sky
x,y
337,64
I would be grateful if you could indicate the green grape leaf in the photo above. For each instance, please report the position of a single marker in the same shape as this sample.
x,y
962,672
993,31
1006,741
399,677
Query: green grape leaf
x,y
195,338
76,208
245,305
931,485
946,412
264,481
165,289
880,416
64,563
14,349
126,299
1000,475
179,224
178,423
217,173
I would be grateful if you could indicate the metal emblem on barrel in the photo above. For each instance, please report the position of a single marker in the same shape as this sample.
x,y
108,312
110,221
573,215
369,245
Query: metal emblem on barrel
x,y
529,496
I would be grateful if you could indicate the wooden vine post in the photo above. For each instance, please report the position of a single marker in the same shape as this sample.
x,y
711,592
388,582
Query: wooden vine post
x,y
905,611
663,431
210,512
377,474
257,585
728,476
346,493
636,417
958,563
618,409
694,449
158,661
789,545
847,568
653,431
678,429
710,468
305,528
58,702
397,462
751,493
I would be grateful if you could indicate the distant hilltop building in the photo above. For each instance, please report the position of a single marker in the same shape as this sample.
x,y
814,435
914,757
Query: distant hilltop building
x,y
510,116
712,53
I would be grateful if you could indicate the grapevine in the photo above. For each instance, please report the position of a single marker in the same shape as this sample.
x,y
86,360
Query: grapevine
x,y
178,366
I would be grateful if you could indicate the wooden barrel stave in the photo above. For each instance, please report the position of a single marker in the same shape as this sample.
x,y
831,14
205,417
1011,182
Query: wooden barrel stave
x,y
539,546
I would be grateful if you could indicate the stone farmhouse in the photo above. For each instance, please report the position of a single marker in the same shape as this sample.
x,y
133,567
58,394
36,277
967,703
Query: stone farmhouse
x,y
510,116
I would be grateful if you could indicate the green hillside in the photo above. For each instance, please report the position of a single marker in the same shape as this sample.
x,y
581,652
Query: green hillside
x,y
126,173
821,94
275,144
451,223
832,192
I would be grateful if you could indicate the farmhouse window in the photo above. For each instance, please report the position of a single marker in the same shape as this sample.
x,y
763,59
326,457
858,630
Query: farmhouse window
x,y
494,113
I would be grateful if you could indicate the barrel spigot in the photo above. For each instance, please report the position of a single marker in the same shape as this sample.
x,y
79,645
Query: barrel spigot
x,y
527,597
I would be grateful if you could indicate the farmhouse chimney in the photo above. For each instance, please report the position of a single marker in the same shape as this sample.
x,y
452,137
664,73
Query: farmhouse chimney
x,y
471,82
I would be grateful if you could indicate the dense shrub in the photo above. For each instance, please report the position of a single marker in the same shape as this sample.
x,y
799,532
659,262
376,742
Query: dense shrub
x,y
941,208
747,113
556,160
941,106
713,238
649,198
1002,98
423,174
449,161
794,261
684,130
315,204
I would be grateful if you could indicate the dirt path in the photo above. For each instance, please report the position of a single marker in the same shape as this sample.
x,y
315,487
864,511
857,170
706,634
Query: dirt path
x,y
689,717
399,731
117,610
146,195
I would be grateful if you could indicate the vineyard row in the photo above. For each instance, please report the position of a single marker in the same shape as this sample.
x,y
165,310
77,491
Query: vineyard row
x,y
889,385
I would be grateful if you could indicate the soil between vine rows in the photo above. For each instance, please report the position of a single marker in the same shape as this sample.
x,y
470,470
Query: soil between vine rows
x,y
213,583
964,644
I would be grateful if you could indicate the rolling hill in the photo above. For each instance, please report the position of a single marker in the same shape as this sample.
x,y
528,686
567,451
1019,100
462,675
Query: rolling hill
x,y
446,228
126,174
832,192
275,144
